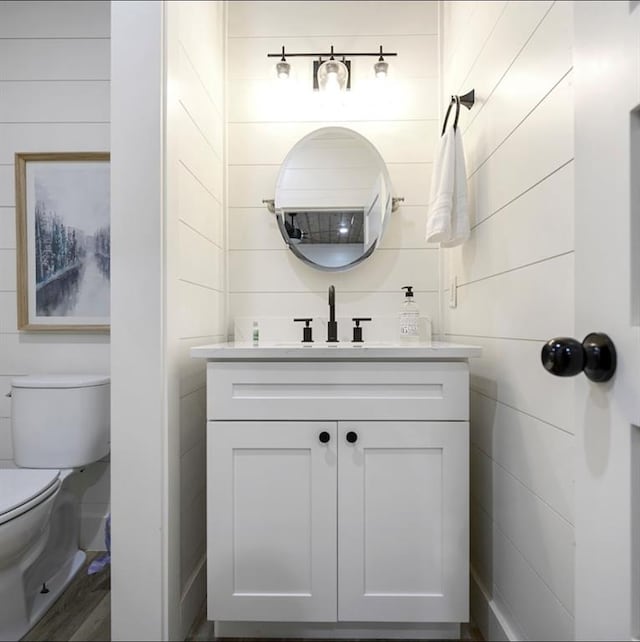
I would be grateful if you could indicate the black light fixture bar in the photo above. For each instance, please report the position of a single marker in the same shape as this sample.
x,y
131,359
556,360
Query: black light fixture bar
x,y
327,54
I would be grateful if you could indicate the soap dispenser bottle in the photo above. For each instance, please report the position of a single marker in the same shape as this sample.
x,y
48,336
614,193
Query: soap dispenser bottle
x,y
409,318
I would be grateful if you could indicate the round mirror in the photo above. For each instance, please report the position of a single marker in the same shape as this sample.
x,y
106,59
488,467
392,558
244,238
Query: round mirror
x,y
333,198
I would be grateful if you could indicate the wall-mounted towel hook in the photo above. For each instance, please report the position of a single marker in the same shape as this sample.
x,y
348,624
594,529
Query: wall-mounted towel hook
x,y
467,100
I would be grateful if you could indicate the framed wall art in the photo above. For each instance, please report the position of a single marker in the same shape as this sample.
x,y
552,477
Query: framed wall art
x,y
63,241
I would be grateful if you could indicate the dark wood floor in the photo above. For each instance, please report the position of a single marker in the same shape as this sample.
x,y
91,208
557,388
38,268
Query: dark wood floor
x,y
83,613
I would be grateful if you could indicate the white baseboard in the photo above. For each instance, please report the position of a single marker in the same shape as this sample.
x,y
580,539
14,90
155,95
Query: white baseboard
x,y
341,630
193,597
487,615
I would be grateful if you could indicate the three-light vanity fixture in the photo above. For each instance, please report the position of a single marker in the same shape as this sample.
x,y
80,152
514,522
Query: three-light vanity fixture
x,y
332,70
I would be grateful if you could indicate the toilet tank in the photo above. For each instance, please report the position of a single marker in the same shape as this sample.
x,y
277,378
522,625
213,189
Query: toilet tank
x,y
60,421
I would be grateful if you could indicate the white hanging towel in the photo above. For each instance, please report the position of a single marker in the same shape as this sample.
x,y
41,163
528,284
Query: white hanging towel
x,y
448,216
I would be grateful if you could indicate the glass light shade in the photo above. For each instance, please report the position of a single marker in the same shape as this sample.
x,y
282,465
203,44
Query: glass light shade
x,y
283,68
332,76
381,68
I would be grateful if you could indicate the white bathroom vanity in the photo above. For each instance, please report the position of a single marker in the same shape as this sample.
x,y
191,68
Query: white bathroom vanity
x,y
338,489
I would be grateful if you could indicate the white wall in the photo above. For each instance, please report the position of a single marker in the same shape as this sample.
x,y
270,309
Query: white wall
x,y
195,244
515,290
54,97
265,119
168,155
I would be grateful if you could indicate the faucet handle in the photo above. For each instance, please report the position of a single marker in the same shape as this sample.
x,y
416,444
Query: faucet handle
x,y
357,330
307,336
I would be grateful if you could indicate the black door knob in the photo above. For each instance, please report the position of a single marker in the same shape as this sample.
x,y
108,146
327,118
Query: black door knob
x,y
352,437
324,436
566,357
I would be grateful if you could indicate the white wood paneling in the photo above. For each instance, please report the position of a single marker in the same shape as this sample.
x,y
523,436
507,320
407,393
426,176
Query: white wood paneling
x,y
210,306
202,108
201,261
531,450
7,186
54,59
5,402
543,537
6,443
266,19
199,156
7,228
193,540
8,312
539,67
397,141
547,135
192,418
196,267
58,19
201,32
536,612
270,100
510,33
515,290
518,234
199,209
549,287
386,271
59,101
59,137
474,35
314,304
510,371
7,270
64,353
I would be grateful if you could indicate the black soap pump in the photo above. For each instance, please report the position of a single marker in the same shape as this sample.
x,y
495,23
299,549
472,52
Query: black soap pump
x,y
409,316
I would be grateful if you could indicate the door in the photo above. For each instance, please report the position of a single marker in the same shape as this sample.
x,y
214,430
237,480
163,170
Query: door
x,y
271,521
607,229
403,526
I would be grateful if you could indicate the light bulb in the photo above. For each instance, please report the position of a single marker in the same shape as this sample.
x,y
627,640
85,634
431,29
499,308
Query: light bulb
x,y
343,229
381,68
283,68
332,75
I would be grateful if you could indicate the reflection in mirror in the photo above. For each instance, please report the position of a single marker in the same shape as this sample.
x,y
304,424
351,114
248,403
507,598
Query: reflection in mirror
x,y
333,198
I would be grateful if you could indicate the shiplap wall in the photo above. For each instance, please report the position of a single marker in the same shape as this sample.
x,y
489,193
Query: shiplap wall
x,y
515,290
195,260
54,97
267,117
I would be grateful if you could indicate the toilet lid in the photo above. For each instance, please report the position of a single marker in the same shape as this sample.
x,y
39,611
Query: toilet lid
x,y
22,488
60,381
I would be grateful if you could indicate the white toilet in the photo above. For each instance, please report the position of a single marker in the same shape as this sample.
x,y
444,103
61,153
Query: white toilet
x,y
59,423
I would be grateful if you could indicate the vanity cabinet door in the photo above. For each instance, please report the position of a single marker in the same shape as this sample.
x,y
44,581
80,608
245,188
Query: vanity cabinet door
x,y
271,521
403,534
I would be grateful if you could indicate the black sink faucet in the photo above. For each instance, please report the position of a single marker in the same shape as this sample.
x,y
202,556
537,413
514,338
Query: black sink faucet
x,y
332,326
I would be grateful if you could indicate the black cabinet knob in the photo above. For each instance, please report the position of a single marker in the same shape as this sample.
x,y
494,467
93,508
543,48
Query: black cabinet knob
x,y
352,437
566,357
324,436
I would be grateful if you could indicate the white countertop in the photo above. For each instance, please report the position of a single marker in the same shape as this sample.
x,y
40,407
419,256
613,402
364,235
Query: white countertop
x,y
343,351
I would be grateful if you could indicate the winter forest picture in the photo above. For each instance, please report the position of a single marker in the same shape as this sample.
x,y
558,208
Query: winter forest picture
x,y
64,241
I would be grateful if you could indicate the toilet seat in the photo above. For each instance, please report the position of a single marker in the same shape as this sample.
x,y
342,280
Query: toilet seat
x,y
23,488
